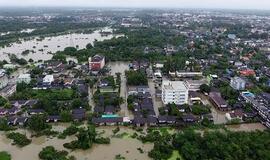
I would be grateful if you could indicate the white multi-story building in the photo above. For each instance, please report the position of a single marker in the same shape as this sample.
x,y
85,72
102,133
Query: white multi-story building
x,y
238,83
26,78
174,92
194,85
3,80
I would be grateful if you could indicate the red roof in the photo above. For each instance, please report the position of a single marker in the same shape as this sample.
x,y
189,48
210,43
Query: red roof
x,y
248,72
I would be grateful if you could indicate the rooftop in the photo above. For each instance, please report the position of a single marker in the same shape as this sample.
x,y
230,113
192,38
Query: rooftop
x,y
174,85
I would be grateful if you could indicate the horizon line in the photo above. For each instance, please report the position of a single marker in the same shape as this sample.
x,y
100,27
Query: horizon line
x,y
135,7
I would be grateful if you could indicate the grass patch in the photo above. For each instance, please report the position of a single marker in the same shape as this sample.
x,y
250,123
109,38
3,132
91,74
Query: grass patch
x,y
176,156
5,156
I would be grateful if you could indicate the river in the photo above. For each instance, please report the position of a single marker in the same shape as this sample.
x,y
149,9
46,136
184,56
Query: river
x,y
41,50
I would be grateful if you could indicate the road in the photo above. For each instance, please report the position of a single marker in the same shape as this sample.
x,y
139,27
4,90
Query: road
x,y
219,116
157,102
121,67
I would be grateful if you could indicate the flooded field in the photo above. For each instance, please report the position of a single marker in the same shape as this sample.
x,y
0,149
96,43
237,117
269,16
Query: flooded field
x,y
42,49
246,127
125,146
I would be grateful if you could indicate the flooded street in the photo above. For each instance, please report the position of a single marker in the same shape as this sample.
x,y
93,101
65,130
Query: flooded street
x,y
125,146
121,67
219,116
43,49
156,101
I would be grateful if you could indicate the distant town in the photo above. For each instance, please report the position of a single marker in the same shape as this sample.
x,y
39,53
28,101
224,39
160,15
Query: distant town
x,y
144,71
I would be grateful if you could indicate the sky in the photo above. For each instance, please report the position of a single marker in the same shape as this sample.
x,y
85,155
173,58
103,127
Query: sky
x,y
226,4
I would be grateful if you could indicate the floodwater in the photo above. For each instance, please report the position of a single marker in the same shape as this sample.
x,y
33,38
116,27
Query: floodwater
x,y
219,116
126,146
248,127
156,101
42,50
121,67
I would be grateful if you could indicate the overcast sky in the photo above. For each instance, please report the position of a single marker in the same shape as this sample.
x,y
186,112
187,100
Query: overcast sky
x,y
234,4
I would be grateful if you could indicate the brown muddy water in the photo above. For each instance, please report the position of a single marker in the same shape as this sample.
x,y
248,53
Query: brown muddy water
x,y
125,146
41,50
248,127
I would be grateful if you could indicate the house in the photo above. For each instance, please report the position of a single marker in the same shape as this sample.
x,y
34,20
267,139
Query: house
x,y
48,79
78,114
184,74
208,116
194,97
238,83
139,121
3,80
194,85
11,121
109,110
3,111
152,121
13,111
189,118
53,118
108,121
167,119
21,120
236,114
96,63
143,89
99,110
216,99
8,90
24,78
174,92
33,111
247,72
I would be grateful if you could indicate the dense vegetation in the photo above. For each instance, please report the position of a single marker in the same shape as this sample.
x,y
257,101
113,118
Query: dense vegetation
x,y
136,78
223,145
215,144
4,125
86,138
50,153
38,123
19,139
5,156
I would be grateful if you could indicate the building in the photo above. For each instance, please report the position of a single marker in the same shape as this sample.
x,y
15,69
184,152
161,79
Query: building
x,y
247,72
26,78
233,115
8,90
238,83
96,63
9,66
3,80
184,74
48,79
174,92
194,85
218,101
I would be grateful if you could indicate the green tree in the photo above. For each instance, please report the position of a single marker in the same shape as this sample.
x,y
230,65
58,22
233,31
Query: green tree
x,y
5,155
66,116
38,123
204,88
